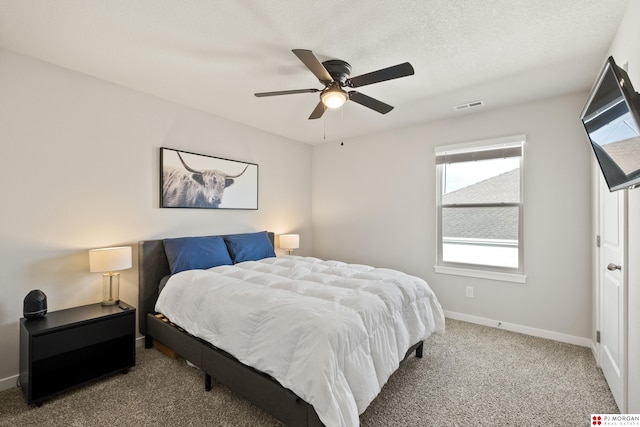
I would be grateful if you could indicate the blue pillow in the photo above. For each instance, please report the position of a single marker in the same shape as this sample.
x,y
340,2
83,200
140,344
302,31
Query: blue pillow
x,y
190,253
249,246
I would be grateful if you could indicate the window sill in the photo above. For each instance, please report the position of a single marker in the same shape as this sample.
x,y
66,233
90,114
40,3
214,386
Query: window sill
x,y
482,274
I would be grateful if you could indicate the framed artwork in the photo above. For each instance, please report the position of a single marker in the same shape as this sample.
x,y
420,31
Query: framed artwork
x,y
189,180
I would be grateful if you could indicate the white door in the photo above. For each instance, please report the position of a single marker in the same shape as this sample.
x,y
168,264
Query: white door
x,y
613,291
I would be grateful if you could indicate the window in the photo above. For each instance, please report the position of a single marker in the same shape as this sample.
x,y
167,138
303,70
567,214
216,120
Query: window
x,y
480,209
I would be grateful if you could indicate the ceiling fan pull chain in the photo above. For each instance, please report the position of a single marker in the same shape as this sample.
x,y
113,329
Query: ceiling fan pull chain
x,y
342,126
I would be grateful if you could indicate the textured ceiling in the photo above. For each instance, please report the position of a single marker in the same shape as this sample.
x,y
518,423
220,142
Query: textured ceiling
x,y
213,55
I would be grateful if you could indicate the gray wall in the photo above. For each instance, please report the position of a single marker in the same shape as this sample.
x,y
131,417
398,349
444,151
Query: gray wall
x,y
374,202
80,171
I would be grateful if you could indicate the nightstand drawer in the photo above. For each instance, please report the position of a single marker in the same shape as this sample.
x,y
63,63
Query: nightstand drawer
x,y
82,335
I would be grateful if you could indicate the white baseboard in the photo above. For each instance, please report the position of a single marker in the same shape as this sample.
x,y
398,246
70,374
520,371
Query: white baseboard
x,y
9,382
540,333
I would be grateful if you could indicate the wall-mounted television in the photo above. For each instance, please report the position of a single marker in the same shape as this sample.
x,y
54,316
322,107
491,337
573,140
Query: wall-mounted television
x,y
611,117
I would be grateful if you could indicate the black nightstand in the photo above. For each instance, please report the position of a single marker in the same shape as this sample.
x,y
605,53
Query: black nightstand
x,y
70,347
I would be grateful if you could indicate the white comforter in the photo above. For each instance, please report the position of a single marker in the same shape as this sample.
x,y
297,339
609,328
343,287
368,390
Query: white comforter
x,y
331,332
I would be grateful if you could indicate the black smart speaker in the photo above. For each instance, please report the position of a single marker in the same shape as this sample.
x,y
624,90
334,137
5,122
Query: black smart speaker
x,y
35,304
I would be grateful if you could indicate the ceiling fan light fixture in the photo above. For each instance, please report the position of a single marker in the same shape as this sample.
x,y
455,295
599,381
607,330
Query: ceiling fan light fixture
x,y
333,97
334,75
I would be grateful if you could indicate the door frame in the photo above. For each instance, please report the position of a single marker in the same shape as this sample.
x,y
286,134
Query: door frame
x,y
598,270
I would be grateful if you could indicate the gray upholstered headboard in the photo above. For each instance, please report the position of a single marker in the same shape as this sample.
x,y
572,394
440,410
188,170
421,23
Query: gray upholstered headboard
x,y
152,267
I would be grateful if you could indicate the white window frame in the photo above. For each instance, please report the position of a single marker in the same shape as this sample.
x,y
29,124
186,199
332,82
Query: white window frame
x,y
482,149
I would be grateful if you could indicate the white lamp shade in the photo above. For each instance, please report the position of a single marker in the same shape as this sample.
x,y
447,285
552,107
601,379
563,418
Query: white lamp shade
x,y
109,259
289,241
334,98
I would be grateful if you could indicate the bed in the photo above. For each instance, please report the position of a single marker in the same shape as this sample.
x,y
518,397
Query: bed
x,y
257,286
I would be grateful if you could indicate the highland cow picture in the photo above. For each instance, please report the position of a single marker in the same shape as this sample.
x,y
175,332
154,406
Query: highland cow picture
x,y
189,180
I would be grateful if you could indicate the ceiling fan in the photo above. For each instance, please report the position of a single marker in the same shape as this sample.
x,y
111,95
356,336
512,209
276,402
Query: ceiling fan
x,y
335,75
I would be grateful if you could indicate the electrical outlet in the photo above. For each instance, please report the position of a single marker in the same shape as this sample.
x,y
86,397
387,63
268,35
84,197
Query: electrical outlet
x,y
469,291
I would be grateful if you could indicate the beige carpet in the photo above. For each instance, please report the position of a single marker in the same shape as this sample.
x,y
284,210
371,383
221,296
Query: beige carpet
x,y
470,376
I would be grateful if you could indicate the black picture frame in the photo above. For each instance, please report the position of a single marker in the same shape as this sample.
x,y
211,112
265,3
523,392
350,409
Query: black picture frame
x,y
199,181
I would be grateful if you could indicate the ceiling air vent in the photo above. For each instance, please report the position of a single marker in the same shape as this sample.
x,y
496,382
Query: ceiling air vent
x,y
468,105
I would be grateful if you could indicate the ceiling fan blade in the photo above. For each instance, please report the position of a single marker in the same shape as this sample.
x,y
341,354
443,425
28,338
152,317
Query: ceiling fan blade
x,y
285,92
370,102
318,111
309,59
389,73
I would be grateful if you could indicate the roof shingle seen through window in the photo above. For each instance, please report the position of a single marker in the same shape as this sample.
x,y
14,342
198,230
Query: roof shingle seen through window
x,y
501,188
484,223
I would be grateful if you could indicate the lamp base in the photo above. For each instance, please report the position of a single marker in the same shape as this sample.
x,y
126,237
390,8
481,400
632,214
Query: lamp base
x,y
110,288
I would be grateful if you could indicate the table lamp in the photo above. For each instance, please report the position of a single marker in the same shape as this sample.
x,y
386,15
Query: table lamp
x,y
108,261
289,242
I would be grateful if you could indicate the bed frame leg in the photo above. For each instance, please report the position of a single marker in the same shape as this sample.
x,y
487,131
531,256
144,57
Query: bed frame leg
x,y
207,382
419,350
148,341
